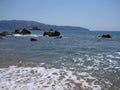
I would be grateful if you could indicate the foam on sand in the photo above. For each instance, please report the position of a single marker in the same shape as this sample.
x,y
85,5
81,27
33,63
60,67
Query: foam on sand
x,y
41,78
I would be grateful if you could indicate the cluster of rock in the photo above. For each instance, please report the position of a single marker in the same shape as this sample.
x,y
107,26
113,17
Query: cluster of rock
x,y
5,33
50,33
24,31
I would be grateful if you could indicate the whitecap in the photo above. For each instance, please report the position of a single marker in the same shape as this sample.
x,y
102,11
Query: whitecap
x,y
118,53
17,35
30,35
111,56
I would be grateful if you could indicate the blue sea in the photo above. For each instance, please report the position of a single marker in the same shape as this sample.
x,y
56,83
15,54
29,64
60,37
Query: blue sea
x,y
78,61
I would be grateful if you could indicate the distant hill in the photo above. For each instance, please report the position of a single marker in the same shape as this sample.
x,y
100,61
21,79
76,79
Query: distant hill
x,y
20,24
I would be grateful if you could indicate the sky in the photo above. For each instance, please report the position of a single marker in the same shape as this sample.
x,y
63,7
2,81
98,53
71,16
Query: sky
x,y
91,14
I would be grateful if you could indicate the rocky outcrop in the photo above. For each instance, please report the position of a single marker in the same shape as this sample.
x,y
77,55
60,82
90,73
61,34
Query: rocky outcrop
x,y
52,34
25,31
5,33
16,31
106,36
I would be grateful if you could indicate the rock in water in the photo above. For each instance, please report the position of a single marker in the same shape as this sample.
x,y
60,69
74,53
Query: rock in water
x,y
16,31
106,36
33,39
5,33
52,34
25,31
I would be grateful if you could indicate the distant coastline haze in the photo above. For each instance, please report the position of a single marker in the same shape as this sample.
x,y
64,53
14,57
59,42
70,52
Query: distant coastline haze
x,y
21,24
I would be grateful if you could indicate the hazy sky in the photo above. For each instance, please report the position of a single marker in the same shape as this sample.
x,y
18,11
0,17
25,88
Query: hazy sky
x,y
92,14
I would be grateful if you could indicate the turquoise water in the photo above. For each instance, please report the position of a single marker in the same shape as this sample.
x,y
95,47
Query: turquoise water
x,y
77,51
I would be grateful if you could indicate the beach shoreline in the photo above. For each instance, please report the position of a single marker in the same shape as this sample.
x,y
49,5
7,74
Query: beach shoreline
x,y
25,75
5,63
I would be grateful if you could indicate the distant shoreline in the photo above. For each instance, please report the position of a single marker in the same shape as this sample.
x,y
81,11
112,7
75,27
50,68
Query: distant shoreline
x,y
20,24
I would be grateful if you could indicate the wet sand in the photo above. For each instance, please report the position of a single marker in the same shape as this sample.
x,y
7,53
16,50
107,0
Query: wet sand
x,y
4,63
7,62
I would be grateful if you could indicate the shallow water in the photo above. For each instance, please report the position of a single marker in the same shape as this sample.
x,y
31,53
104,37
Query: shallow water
x,y
94,62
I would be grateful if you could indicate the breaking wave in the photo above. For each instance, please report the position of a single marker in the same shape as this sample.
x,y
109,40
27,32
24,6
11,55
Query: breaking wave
x,y
30,35
41,78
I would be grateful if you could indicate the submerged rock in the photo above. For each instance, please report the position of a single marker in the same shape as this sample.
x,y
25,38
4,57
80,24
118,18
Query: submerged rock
x,y
33,39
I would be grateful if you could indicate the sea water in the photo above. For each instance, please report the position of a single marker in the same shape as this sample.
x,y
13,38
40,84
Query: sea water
x,y
78,61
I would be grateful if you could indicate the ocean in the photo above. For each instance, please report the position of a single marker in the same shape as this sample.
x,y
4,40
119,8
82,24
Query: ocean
x,y
78,61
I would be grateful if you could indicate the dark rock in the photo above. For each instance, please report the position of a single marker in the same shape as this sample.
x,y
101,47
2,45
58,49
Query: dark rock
x,y
56,33
16,31
46,33
52,34
25,31
33,39
106,36
4,33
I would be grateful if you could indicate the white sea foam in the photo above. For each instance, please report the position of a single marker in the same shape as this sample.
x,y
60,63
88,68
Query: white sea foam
x,y
40,78
118,53
30,35
113,56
